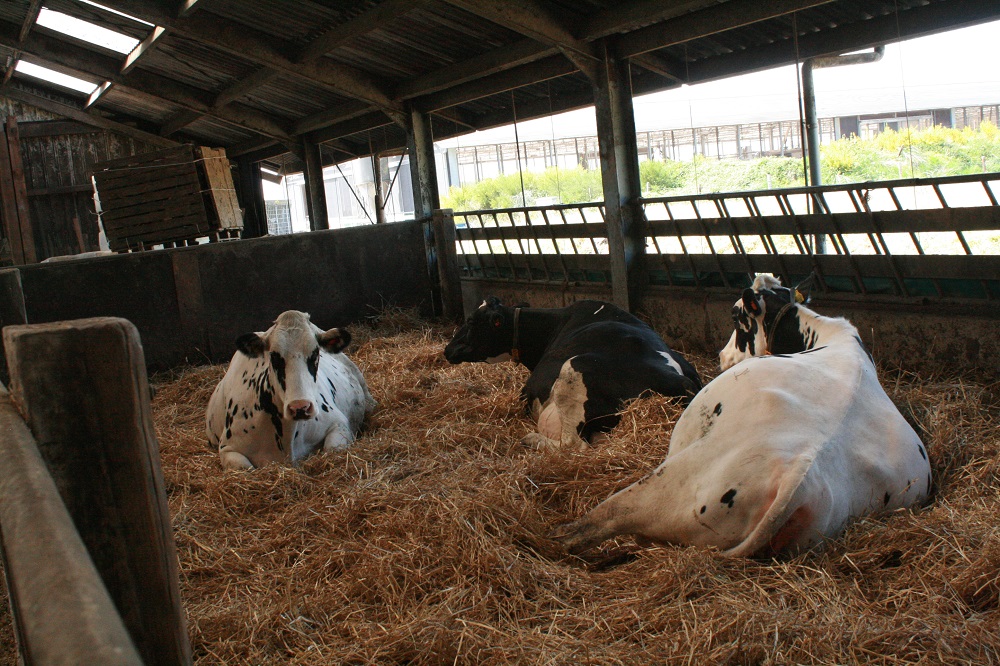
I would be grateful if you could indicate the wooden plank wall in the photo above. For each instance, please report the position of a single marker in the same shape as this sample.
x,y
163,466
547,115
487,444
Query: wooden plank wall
x,y
57,156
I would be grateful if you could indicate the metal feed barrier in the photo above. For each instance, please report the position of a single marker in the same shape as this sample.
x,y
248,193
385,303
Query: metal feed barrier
x,y
937,238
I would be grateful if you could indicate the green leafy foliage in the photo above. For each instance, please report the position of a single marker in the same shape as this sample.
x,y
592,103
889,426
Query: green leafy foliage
x,y
937,151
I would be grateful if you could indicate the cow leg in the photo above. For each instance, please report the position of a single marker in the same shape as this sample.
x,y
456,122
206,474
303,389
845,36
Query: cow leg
x,y
338,438
562,416
234,460
609,519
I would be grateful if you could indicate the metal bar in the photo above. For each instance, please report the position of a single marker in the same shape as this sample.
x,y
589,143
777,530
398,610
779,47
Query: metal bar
x,y
659,251
555,246
708,239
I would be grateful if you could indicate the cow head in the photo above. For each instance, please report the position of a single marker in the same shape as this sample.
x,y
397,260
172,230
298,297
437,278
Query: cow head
x,y
753,314
291,348
487,335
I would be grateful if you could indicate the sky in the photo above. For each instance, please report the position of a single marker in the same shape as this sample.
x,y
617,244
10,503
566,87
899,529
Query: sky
x,y
956,68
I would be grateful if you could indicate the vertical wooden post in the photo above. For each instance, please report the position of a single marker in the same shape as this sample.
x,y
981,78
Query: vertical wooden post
x,y
8,206
61,608
20,192
620,178
315,189
426,200
83,390
422,168
379,199
251,198
12,309
443,226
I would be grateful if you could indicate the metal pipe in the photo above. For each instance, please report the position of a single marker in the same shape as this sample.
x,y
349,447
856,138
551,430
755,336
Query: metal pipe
x,y
811,119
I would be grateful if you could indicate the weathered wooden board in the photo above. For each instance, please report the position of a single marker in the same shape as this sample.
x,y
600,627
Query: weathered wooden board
x,y
83,389
222,192
166,196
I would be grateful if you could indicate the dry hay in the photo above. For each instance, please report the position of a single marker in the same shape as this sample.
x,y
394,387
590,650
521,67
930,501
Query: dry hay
x,y
424,543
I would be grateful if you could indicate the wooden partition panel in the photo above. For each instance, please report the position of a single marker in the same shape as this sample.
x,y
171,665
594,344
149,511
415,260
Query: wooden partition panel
x,y
82,388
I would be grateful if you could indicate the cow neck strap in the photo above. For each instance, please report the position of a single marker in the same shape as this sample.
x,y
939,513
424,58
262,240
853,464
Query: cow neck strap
x,y
774,325
515,353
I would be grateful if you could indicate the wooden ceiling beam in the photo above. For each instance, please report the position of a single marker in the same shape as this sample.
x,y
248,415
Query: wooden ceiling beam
x,y
74,113
319,47
542,70
262,49
81,61
706,22
635,14
34,8
533,20
363,24
850,37
492,62
666,67
337,114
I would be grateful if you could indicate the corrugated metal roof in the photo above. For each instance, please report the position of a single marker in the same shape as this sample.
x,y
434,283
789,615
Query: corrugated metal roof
x,y
254,75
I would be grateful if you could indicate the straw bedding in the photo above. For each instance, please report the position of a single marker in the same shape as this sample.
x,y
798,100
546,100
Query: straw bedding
x,y
424,543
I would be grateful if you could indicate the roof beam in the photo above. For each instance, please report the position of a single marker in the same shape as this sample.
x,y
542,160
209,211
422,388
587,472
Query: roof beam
x,y
97,94
331,116
492,62
29,20
356,27
634,14
263,49
187,6
78,115
851,37
542,70
533,20
705,22
78,59
668,68
142,48
319,47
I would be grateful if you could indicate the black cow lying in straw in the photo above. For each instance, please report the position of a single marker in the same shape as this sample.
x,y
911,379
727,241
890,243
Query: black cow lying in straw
x,y
585,359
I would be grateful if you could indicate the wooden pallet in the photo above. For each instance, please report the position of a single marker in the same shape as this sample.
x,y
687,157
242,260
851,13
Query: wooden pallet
x,y
167,197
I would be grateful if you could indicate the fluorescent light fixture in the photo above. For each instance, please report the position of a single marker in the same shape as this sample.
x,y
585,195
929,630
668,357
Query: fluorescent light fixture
x,y
58,78
88,32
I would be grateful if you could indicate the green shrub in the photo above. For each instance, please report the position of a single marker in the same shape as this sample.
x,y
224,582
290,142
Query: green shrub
x,y
937,151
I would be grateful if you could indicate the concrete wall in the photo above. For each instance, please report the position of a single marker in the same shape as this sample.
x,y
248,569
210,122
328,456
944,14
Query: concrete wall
x,y
919,334
190,304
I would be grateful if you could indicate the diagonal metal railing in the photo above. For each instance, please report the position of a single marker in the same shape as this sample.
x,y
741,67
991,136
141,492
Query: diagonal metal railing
x,y
936,237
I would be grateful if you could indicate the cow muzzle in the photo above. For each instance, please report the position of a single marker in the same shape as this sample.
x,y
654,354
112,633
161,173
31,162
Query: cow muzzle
x,y
458,353
300,410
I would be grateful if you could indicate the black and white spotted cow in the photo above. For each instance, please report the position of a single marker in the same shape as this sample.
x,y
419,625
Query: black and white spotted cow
x,y
779,452
585,360
288,391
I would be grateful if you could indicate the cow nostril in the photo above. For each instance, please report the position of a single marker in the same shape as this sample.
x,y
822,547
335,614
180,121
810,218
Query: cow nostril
x,y
300,409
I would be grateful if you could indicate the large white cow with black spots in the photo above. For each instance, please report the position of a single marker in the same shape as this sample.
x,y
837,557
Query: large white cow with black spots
x,y
586,359
781,451
288,391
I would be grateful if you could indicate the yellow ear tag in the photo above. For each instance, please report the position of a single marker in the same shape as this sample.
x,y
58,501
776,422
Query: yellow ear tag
x,y
799,298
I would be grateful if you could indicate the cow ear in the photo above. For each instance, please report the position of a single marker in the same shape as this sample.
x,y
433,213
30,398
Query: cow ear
x,y
251,344
750,303
335,340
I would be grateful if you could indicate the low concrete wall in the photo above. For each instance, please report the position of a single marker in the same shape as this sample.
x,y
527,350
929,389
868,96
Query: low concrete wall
x,y
918,334
190,304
